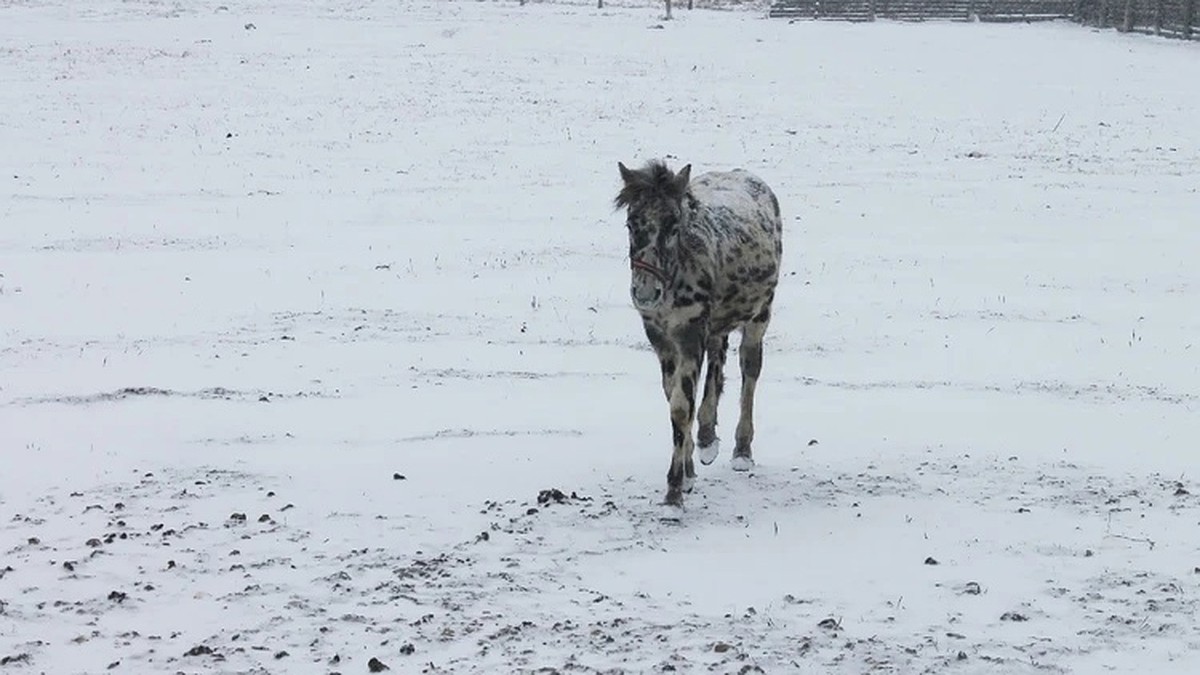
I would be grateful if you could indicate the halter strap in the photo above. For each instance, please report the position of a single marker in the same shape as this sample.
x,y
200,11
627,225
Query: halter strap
x,y
650,269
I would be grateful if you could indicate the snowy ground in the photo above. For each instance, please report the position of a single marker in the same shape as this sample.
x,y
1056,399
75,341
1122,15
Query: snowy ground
x,y
306,312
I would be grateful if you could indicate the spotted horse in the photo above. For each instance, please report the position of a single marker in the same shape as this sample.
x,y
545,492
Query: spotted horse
x,y
705,257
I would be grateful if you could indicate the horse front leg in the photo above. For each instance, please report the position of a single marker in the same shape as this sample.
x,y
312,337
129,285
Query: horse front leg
x,y
682,398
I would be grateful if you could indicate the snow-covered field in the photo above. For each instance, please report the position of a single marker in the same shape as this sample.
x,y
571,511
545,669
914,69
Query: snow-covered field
x,y
316,346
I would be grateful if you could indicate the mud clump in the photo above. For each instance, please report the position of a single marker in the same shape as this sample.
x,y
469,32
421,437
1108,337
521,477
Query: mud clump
x,y
556,496
830,624
553,495
199,650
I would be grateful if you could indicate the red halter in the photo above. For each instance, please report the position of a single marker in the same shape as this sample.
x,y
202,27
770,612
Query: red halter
x,y
650,269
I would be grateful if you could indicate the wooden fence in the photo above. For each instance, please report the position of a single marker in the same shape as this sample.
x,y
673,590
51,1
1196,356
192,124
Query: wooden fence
x,y
1171,18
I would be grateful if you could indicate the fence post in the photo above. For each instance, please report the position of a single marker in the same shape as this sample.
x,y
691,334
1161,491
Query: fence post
x,y
1189,18
1127,20
1083,12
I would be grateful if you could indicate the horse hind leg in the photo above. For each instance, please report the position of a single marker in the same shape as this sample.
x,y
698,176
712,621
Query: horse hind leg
x,y
708,445
750,358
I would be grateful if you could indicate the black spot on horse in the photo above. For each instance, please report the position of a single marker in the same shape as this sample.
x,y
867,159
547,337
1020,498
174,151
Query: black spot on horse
x,y
657,339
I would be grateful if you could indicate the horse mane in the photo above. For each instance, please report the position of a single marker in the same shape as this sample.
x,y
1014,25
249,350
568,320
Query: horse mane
x,y
654,181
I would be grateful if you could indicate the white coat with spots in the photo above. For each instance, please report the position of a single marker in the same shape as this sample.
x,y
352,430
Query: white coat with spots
x,y
705,257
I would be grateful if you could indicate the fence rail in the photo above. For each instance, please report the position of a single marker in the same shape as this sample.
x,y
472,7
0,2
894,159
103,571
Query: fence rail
x,y
1170,18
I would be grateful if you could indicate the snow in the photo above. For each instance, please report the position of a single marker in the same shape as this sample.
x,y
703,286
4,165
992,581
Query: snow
x,y
304,306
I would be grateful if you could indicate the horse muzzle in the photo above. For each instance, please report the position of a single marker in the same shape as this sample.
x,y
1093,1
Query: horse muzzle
x,y
646,294
648,286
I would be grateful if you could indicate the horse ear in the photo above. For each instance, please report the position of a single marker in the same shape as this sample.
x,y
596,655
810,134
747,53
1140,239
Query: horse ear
x,y
626,174
682,178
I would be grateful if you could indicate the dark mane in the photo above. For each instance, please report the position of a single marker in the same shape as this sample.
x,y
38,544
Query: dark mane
x,y
654,181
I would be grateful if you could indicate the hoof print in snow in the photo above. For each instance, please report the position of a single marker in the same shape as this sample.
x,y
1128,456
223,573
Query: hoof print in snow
x,y
113,665
962,656
398,476
237,517
721,647
482,536
93,542
376,666
118,596
972,588
1013,616
931,561
812,442
264,518
68,566
1022,509
407,649
830,624
282,654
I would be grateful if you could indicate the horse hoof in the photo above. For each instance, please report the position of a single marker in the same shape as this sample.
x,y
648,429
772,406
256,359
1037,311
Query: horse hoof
x,y
689,482
670,513
707,454
741,463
